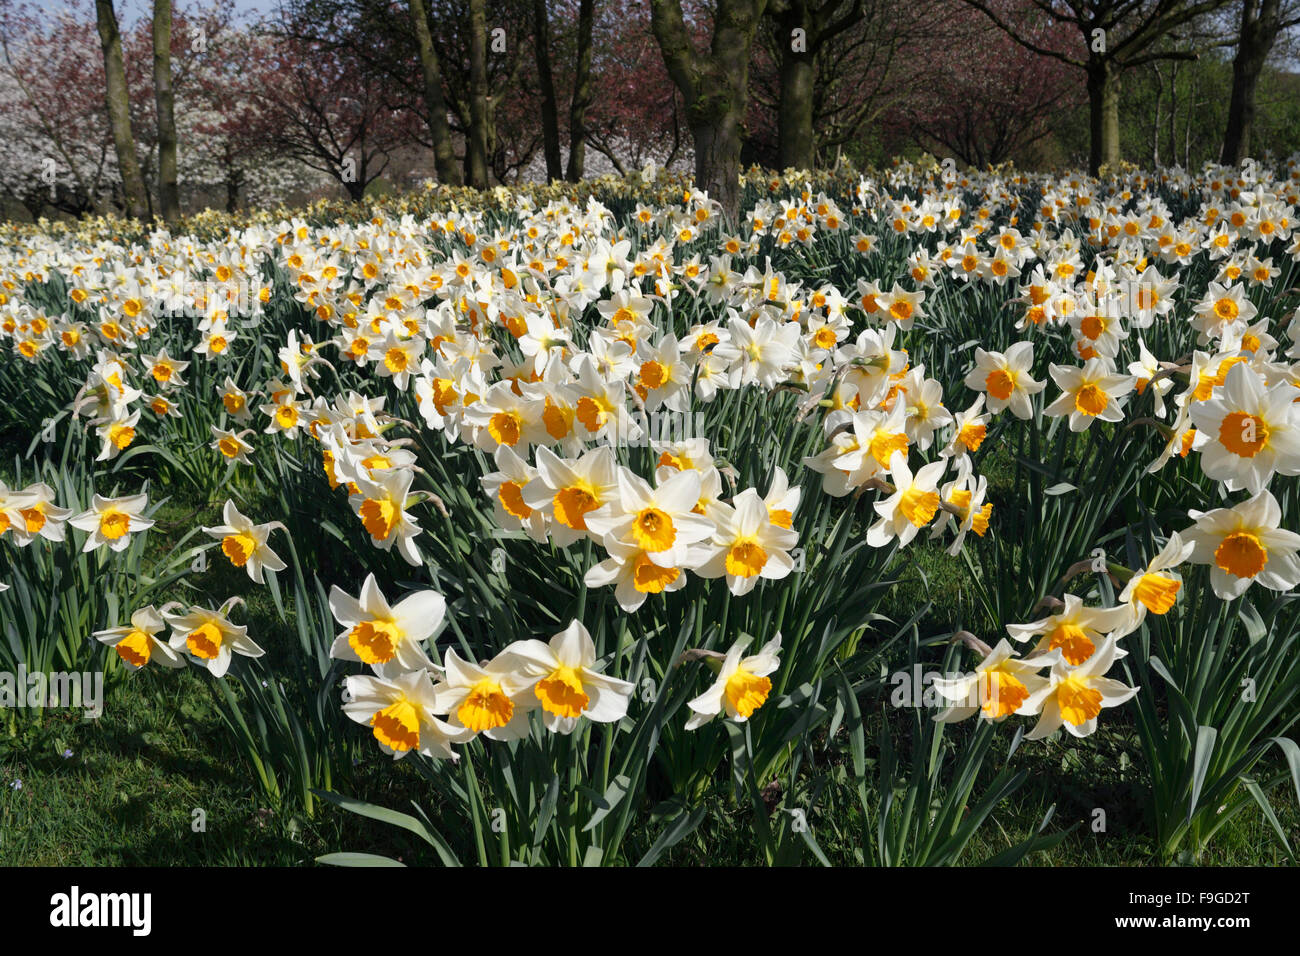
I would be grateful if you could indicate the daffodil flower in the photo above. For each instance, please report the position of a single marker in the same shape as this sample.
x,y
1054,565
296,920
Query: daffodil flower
x,y
1245,544
506,486
1075,630
567,491
210,635
1006,379
116,434
636,574
658,520
999,685
741,687
1075,696
381,635
138,643
245,543
568,684
112,521
381,505
40,517
913,504
1156,587
1090,393
400,710
231,445
746,545
493,700
1247,432
12,504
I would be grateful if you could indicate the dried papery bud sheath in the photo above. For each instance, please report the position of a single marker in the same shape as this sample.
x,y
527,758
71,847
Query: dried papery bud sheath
x,y
973,642
698,654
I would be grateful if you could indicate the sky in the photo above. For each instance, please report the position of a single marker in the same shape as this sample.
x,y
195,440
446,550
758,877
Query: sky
x,y
132,10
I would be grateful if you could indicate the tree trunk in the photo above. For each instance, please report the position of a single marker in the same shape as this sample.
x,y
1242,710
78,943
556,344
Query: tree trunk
x,y
1260,24
233,181
715,86
796,110
581,93
169,197
476,143
1155,126
1103,115
435,104
1173,111
1241,110
717,157
119,111
546,80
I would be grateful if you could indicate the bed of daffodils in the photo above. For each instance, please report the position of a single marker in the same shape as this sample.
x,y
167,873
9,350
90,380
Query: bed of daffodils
x,y
588,501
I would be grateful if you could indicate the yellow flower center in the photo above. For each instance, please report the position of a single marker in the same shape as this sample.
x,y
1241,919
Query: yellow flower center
x,y
650,578
1157,592
1243,434
746,692
653,530
572,504
379,515
1091,399
229,447
972,436
590,413
397,726
1079,703
121,435
205,641
558,421
135,648
238,548
1001,693
1241,554
561,693
918,505
396,360
746,559
1000,384
653,374
114,523
486,707
286,416
1226,309
884,444
375,642
34,517
505,428
1074,643
512,500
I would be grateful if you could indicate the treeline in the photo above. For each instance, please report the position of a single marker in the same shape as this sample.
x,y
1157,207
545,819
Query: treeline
x,y
191,107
